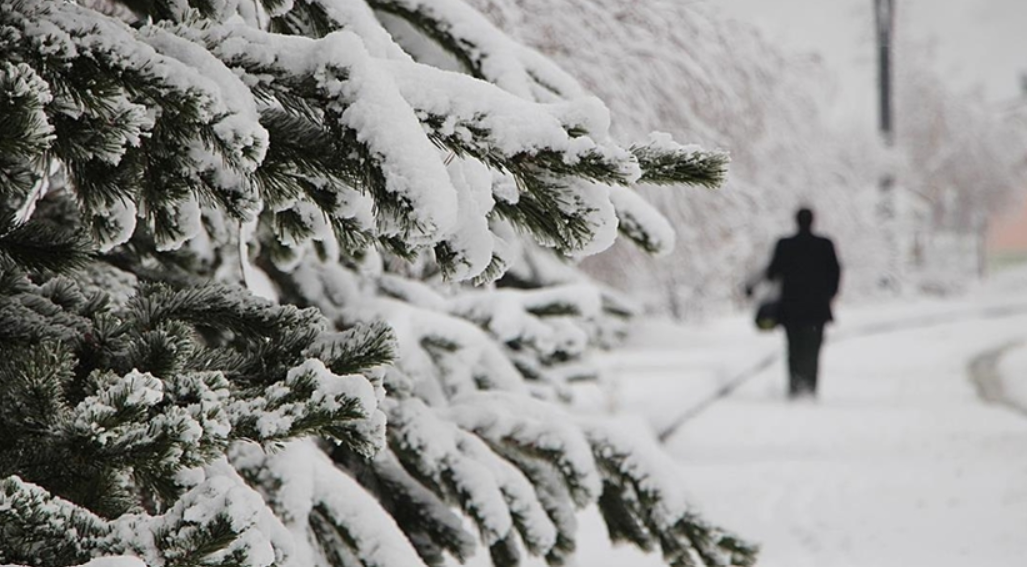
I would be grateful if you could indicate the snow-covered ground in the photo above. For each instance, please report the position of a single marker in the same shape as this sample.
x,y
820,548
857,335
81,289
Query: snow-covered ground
x,y
898,463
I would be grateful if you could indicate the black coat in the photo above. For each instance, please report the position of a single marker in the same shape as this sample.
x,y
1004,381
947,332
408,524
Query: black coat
x,y
808,269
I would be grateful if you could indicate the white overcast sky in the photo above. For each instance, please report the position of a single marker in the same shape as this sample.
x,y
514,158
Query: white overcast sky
x,y
977,43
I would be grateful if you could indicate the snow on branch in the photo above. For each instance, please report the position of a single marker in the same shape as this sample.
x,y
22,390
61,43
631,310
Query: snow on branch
x,y
664,161
327,513
432,449
643,503
125,111
485,51
518,422
399,166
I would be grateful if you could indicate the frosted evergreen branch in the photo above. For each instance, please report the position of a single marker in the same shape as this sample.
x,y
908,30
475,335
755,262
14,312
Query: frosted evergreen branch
x,y
641,222
553,494
643,506
316,499
104,76
31,397
438,462
25,130
495,270
38,529
546,332
155,426
428,521
542,211
504,419
484,50
357,349
41,245
303,163
403,210
224,308
27,316
41,530
312,400
665,162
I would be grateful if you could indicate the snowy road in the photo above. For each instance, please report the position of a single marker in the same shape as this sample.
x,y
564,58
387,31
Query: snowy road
x,y
899,463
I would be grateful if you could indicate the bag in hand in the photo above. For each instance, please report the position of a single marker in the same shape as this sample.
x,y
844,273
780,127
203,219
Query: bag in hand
x,y
767,314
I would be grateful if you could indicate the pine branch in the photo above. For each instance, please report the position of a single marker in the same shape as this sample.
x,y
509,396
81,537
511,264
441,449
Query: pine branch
x,y
40,530
25,131
430,524
357,349
40,245
473,46
664,162
223,308
306,18
635,508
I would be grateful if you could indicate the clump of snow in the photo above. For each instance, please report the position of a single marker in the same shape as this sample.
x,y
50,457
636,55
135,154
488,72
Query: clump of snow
x,y
373,108
502,417
186,224
118,220
357,16
513,125
221,499
501,60
470,240
642,221
434,443
305,479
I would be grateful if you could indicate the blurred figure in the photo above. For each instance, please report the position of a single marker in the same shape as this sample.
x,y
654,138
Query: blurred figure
x,y
808,271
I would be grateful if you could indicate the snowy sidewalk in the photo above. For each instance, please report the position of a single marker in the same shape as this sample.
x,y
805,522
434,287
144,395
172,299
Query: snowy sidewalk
x,y
898,464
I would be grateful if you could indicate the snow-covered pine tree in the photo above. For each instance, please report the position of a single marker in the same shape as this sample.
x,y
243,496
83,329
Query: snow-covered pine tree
x,y
156,154
687,67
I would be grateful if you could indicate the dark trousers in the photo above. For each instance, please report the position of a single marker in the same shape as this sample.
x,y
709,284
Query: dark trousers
x,y
804,340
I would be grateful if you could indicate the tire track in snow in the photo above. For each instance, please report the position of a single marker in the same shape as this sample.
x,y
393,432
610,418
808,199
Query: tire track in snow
x,y
881,328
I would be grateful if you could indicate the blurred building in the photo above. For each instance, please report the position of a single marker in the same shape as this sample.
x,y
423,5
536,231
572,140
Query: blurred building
x,y
1007,233
1007,236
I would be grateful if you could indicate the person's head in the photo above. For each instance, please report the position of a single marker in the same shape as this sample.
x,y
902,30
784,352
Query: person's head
x,y
804,218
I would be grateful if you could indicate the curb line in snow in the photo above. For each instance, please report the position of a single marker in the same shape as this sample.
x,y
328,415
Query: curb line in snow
x,y
987,379
723,391
871,329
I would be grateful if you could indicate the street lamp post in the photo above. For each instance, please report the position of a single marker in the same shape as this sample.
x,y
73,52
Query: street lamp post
x,y
884,11
884,15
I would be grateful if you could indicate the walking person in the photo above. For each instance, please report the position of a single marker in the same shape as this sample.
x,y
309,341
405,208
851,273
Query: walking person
x,y
808,271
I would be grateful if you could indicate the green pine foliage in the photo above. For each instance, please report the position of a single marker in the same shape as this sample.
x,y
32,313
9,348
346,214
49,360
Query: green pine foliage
x,y
162,161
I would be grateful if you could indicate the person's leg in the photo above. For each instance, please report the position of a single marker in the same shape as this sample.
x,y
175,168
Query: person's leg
x,y
794,337
802,343
803,358
815,340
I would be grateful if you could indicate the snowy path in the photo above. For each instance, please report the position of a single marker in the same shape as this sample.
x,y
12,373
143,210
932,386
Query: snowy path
x,y
899,462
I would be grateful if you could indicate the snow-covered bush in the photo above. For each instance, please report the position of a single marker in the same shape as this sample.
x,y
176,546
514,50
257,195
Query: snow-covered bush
x,y
265,217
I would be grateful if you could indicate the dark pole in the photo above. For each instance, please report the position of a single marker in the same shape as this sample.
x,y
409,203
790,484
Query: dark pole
x,y
884,14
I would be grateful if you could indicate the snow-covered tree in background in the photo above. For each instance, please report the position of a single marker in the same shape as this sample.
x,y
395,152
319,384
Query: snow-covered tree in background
x,y
686,69
228,228
963,162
